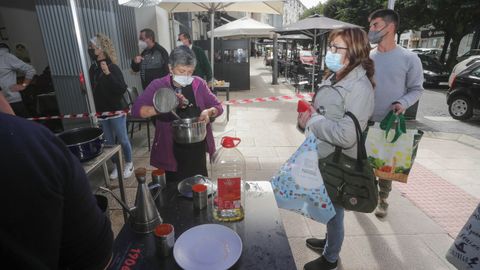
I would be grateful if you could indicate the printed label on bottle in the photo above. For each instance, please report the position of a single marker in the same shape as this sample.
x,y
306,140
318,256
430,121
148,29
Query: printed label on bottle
x,y
229,190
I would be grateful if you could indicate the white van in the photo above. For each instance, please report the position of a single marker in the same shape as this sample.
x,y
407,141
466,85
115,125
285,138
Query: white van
x,y
462,66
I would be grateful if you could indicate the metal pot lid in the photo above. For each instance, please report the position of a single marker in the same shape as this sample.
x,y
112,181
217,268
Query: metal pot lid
x,y
185,186
165,100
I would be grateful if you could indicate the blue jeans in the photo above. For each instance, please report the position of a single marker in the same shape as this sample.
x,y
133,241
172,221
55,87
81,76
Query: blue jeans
x,y
117,127
335,234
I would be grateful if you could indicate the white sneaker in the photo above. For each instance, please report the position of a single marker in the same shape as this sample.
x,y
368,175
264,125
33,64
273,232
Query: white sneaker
x,y
128,171
114,173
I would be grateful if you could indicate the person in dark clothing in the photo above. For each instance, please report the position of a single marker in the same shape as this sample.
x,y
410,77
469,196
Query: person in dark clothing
x,y
203,69
153,61
50,219
108,88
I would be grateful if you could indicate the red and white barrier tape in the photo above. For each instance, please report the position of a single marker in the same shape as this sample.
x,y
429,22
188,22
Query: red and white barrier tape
x,y
79,115
230,102
266,99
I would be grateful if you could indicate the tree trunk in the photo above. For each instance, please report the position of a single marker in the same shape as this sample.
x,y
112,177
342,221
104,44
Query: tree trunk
x,y
446,42
452,56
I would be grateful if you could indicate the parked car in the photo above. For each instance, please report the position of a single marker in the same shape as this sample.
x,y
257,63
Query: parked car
x,y
461,67
468,54
307,58
434,72
434,52
463,97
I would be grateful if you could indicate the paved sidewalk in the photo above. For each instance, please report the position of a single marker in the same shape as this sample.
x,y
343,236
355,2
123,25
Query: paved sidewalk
x,y
424,214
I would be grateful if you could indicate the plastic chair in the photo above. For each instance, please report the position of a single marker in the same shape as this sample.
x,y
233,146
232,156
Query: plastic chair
x,y
131,95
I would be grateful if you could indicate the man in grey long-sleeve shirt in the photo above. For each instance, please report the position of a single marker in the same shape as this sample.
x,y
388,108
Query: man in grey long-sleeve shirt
x,y
9,65
398,77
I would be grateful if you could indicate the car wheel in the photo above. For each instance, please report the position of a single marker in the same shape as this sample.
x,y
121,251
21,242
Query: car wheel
x,y
461,108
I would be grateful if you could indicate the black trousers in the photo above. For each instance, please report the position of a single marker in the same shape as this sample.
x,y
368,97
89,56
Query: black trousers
x,y
191,160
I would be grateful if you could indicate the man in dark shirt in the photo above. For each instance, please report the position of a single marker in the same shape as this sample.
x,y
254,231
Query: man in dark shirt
x,y
153,61
203,69
50,219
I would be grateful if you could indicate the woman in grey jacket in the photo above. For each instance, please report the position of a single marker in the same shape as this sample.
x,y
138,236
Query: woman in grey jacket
x,y
349,87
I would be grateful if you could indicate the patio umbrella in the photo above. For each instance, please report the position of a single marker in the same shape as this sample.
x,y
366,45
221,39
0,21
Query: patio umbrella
x,y
244,27
264,6
314,26
294,37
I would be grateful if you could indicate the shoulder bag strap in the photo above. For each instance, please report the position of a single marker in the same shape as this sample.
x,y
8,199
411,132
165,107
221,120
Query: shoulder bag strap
x,y
361,151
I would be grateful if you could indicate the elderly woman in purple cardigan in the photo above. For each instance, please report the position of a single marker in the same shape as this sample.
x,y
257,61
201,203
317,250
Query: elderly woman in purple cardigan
x,y
180,160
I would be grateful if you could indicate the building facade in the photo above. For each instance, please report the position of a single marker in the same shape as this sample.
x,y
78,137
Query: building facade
x,y
431,38
292,11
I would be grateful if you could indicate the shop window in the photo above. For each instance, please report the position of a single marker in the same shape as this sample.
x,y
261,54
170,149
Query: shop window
x,y
235,56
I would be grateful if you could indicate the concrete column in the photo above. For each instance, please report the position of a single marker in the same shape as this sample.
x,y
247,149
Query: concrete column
x,y
275,61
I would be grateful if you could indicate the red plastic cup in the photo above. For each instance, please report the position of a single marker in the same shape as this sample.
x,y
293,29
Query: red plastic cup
x,y
303,106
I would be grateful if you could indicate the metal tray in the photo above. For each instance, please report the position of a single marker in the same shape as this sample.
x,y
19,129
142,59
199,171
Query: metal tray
x,y
185,186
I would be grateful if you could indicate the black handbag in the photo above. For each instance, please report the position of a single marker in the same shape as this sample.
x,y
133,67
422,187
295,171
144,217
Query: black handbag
x,y
350,183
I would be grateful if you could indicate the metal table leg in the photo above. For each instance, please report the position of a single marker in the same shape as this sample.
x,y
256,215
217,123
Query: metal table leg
x,y
228,106
106,175
119,163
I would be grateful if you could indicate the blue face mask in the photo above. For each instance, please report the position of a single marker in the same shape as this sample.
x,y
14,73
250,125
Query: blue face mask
x,y
183,80
334,61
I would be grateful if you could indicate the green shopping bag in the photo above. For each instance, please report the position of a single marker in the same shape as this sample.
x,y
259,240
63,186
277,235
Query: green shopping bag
x,y
391,148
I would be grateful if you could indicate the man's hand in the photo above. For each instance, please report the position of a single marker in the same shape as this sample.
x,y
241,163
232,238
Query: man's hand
x,y
17,87
104,67
397,108
138,59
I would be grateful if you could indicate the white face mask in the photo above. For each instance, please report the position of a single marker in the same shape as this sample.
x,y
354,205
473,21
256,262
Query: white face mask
x,y
179,43
142,45
183,80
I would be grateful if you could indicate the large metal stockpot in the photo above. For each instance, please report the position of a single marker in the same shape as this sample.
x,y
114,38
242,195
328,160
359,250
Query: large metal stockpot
x,y
189,130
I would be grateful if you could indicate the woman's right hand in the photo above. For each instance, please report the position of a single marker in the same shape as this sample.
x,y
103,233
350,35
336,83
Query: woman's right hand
x,y
303,117
147,111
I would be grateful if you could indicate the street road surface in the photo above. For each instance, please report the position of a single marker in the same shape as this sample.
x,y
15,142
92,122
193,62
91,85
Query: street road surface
x,y
433,115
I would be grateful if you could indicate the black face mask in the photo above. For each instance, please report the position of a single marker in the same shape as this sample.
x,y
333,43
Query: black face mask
x,y
91,53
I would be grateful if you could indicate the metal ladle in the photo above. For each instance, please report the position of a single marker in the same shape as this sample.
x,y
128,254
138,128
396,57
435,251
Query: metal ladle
x,y
176,115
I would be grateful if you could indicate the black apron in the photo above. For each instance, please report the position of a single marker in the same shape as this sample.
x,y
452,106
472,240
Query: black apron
x,y
191,158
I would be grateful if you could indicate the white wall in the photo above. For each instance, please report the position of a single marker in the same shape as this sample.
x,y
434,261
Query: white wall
x,y
22,27
465,44
156,19
163,29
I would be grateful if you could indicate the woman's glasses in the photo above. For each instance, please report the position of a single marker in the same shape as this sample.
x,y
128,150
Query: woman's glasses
x,y
334,48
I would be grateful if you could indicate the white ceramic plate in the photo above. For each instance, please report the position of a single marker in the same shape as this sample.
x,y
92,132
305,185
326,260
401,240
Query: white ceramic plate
x,y
208,247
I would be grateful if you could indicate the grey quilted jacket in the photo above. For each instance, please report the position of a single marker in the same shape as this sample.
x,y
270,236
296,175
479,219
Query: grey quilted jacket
x,y
331,126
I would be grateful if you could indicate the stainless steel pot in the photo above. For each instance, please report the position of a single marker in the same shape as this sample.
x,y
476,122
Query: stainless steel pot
x,y
189,130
